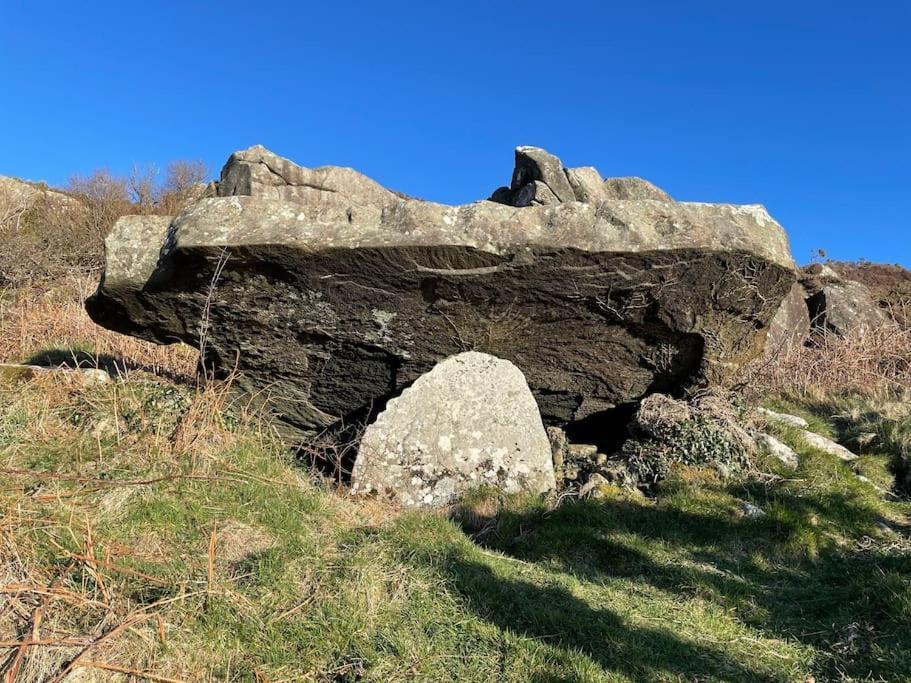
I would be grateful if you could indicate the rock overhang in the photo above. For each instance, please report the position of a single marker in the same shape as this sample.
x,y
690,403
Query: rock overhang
x,y
635,282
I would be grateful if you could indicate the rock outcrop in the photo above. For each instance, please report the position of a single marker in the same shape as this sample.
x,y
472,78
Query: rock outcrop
x,y
836,305
327,293
471,422
539,178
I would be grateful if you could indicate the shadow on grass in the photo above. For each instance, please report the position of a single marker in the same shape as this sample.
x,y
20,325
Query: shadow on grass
x,y
70,358
853,606
551,614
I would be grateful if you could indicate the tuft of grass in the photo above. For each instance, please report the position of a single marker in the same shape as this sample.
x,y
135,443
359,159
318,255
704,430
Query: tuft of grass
x,y
48,325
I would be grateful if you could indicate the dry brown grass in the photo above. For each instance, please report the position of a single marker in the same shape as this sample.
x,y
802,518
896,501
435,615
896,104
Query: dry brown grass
x,y
51,321
78,611
866,361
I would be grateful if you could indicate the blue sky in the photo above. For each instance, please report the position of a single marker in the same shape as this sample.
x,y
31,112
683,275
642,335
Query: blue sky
x,y
802,106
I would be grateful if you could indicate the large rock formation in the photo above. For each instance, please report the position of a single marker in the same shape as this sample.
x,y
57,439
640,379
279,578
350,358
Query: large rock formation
x,y
327,293
470,422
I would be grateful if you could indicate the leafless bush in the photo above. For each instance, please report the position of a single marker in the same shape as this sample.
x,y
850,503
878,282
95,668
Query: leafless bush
x,y
867,360
183,183
47,234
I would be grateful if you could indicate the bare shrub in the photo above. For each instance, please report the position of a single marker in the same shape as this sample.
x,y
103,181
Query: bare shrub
x,y
867,361
184,182
104,197
46,234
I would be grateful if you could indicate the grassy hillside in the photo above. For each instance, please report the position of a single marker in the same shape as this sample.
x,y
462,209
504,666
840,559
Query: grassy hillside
x,y
150,530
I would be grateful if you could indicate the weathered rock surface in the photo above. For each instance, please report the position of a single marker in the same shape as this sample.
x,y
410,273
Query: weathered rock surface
x,y
327,293
540,179
783,418
775,448
825,445
469,422
258,172
790,326
836,305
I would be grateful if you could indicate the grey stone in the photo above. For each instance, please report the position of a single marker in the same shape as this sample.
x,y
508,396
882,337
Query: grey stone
x,y
258,172
470,422
775,448
751,511
540,178
884,528
783,418
587,183
325,293
536,164
534,194
582,451
816,275
790,326
10,373
843,307
592,488
828,446
559,446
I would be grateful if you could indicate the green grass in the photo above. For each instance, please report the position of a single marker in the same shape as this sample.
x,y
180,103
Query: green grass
x,y
309,584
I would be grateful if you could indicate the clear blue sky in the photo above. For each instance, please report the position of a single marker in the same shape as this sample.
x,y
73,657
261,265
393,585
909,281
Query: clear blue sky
x,y
803,106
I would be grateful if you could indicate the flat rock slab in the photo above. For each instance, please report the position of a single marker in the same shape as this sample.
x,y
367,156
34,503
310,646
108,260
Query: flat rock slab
x,y
825,445
470,422
783,418
324,293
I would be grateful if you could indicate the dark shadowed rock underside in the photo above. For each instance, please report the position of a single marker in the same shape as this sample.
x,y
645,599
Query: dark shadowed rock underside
x,y
333,294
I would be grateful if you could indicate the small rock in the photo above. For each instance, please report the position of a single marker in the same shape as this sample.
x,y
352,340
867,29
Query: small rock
x,y
104,428
784,418
582,451
470,422
591,488
825,445
21,373
634,188
790,326
772,446
618,474
559,446
751,511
